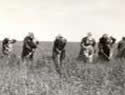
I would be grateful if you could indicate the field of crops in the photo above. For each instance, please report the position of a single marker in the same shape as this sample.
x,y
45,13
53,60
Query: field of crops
x,y
41,78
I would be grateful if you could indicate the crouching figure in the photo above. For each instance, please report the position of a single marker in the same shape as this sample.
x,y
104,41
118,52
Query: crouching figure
x,y
58,53
7,46
87,48
29,47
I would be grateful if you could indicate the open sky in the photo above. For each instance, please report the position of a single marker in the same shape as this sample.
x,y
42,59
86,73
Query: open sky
x,y
71,18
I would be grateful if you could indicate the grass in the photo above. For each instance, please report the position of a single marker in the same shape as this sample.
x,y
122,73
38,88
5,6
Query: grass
x,y
40,77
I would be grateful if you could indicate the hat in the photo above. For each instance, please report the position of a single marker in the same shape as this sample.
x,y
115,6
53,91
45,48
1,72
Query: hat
x,y
105,35
30,34
89,34
59,36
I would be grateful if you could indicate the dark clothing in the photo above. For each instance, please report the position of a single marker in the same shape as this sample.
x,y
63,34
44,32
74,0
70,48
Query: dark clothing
x,y
29,47
103,41
105,45
59,53
106,42
59,46
104,49
5,46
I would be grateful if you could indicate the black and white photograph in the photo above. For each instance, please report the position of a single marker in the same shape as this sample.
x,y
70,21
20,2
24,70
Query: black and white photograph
x,y
62,47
